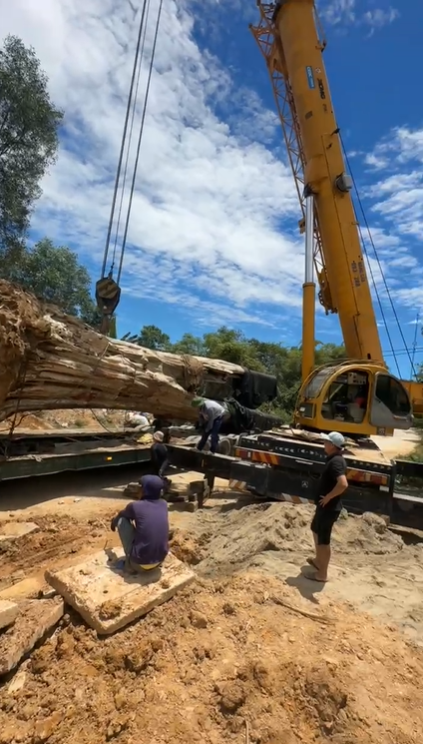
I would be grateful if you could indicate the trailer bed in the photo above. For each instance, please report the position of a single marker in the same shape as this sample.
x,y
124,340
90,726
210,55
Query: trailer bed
x,y
28,453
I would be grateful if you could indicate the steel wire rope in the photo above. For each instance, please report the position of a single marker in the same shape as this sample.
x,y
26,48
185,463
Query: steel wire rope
x,y
131,196
369,266
122,148
414,344
131,129
407,351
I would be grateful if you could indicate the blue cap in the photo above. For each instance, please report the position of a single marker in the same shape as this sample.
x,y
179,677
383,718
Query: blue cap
x,y
334,438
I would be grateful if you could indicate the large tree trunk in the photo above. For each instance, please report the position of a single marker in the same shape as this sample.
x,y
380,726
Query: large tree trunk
x,y
49,360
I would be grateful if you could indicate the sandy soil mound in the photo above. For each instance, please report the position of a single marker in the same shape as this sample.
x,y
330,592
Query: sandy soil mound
x,y
219,659
233,540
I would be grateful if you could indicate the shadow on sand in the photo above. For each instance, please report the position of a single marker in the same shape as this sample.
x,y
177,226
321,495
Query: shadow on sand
x,y
305,585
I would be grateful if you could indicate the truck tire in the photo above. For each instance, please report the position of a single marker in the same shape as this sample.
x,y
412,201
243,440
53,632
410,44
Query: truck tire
x,y
224,446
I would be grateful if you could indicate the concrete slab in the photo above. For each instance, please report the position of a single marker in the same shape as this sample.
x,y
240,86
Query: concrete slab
x,y
14,530
35,619
8,613
108,598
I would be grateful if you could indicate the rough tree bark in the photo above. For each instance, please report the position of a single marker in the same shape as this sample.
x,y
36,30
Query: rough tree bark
x,y
49,360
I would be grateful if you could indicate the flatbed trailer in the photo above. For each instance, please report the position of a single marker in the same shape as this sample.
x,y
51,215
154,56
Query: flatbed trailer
x,y
286,468
271,465
30,453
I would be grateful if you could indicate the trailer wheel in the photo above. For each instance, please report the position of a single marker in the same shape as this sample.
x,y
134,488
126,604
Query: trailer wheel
x,y
224,446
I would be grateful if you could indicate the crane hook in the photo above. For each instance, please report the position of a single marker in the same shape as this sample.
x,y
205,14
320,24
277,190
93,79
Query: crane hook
x,y
107,295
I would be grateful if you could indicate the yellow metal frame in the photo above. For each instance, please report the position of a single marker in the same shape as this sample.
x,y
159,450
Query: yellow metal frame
x,y
288,37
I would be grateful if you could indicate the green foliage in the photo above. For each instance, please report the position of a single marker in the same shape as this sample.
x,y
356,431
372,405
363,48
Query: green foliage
x,y
28,140
153,338
55,275
233,346
29,124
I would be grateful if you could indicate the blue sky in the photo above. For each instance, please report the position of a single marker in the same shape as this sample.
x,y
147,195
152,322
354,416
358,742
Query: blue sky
x,y
213,236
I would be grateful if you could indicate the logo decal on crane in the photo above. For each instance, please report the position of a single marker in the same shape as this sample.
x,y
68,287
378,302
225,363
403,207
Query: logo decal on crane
x,y
310,77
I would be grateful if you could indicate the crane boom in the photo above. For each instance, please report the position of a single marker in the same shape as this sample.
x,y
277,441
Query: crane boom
x,y
358,396
297,48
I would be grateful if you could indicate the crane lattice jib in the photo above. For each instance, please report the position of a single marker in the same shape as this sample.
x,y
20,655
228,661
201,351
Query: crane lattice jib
x,y
288,38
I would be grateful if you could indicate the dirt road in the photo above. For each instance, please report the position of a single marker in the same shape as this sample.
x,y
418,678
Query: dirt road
x,y
253,646
402,444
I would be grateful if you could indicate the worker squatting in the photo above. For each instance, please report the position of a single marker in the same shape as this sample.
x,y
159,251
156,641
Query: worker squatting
x,y
143,525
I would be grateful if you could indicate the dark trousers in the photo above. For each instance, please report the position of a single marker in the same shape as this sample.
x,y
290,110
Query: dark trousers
x,y
126,532
322,524
213,433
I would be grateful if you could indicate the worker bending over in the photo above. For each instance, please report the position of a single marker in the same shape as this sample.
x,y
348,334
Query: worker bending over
x,y
332,484
159,455
143,527
210,419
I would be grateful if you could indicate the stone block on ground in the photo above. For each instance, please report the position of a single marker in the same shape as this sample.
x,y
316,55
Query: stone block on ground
x,y
183,506
14,530
132,490
196,487
8,613
35,619
108,598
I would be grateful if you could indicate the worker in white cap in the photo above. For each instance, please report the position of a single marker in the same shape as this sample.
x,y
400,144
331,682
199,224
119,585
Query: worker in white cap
x,y
210,419
332,484
159,455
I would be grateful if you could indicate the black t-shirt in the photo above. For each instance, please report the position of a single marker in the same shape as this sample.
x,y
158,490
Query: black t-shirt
x,y
158,454
335,466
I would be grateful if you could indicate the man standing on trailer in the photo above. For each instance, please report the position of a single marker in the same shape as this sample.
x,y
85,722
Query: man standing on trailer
x,y
210,419
159,455
332,484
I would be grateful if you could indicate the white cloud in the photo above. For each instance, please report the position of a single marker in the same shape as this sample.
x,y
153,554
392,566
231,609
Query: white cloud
x,y
379,17
398,194
214,220
338,11
210,197
397,198
357,13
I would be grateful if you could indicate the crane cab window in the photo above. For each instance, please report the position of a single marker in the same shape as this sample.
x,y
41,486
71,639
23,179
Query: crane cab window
x,y
347,397
391,393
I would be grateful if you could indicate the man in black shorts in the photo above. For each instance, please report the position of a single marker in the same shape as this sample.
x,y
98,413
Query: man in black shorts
x,y
332,484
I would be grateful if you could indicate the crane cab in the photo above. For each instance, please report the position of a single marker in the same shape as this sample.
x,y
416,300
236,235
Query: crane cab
x,y
355,398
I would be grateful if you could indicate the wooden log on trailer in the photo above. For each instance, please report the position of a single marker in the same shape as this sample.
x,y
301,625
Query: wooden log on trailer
x,y
50,360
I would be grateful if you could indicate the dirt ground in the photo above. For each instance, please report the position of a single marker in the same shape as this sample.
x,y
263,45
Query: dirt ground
x,y
254,652
77,418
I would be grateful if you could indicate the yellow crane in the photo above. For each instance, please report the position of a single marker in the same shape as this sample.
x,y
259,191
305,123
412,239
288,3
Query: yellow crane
x,y
358,397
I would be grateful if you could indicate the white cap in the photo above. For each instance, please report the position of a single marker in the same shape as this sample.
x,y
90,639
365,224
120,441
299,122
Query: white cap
x,y
334,438
158,436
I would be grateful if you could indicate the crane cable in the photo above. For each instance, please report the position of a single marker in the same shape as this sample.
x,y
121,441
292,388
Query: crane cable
x,y
407,351
134,175
124,135
146,8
